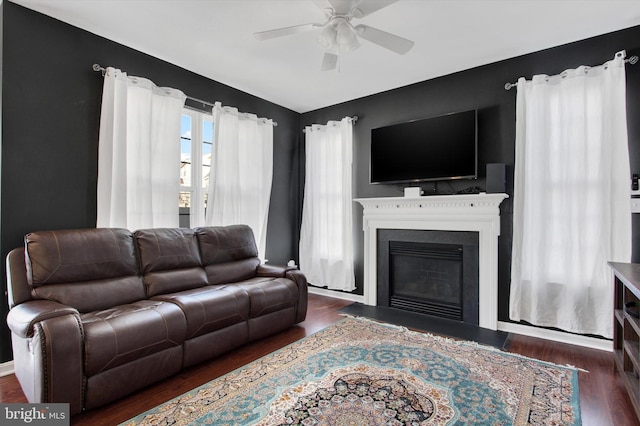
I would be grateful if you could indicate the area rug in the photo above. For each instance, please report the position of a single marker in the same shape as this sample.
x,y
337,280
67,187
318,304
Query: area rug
x,y
361,372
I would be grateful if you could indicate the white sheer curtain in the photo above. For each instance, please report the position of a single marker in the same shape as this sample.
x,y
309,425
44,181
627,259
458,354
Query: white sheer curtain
x,y
242,172
326,241
571,197
138,154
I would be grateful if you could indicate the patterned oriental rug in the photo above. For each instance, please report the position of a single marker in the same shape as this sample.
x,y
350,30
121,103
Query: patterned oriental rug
x,y
360,372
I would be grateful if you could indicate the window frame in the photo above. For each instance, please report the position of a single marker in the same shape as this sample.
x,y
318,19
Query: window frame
x,y
197,202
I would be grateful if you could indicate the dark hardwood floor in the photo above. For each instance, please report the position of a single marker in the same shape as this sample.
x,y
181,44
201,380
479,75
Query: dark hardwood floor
x,y
602,395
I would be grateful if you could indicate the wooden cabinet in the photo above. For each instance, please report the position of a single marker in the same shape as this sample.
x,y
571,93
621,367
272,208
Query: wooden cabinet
x,y
626,331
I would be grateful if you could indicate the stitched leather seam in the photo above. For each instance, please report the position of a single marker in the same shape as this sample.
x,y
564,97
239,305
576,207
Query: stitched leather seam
x,y
45,370
82,355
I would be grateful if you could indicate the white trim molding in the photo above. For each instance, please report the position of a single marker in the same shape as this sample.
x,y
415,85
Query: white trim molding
x,y
6,368
467,212
556,336
322,291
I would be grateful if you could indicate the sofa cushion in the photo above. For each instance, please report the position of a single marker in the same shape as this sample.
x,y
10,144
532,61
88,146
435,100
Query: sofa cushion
x,y
170,260
231,272
88,269
269,295
210,308
123,334
226,243
229,253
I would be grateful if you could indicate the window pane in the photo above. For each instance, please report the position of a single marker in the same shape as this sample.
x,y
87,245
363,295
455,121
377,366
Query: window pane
x,y
185,166
185,199
207,131
205,176
185,150
207,145
206,153
206,163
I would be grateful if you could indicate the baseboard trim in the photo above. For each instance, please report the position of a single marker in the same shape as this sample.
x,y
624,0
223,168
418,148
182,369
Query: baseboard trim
x,y
6,368
556,336
337,294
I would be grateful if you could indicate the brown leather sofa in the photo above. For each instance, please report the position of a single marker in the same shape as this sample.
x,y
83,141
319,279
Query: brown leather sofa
x,y
97,314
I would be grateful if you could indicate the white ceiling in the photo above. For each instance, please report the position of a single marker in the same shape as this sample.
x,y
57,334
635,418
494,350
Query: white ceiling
x,y
214,38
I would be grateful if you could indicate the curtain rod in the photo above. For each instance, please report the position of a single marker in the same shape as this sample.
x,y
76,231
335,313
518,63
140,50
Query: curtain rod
x,y
353,121
97,67
632,60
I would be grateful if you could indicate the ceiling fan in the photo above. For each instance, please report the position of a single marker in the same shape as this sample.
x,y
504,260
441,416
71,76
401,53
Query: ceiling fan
x,y
338,35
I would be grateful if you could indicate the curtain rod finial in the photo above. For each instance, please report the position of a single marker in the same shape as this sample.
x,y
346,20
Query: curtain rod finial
x,y
97,67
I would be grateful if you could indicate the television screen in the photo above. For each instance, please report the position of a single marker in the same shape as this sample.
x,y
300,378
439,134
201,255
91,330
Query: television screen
x,y
431,149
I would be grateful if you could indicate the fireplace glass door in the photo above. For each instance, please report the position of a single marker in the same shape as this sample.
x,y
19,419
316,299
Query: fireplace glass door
x,y
426,278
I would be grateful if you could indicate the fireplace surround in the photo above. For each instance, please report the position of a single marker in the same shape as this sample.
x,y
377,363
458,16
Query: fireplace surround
x,y
477,213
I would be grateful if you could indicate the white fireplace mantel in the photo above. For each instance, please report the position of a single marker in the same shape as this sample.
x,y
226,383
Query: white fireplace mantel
x,y
469,212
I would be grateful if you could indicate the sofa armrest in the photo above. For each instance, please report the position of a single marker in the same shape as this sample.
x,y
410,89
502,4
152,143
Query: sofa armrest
x,y
294,274
23,317
47,340
301,281
275,271
18,290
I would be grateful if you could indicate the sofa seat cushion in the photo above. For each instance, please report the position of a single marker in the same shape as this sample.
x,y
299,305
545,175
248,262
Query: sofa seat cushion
x,y
126,333
210,308
269,295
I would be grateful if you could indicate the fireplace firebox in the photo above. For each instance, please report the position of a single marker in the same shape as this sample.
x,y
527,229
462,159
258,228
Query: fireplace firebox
x,y
426,278
429,272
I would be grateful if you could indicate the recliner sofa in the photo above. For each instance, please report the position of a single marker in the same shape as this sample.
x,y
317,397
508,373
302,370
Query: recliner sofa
x,y
96,314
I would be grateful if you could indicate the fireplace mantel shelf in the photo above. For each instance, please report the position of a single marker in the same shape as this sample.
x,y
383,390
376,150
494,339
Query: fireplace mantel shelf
x,y
475,204
463,212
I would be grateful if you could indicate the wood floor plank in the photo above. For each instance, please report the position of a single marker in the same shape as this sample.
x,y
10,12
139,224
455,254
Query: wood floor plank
x,y
603,398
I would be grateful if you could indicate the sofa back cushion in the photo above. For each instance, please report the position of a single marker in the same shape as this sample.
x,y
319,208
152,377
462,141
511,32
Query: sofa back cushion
x,y
170,260
88,269
229,253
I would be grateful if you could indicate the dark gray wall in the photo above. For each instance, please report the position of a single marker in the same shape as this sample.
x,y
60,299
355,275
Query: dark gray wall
x,y
51,110
481,88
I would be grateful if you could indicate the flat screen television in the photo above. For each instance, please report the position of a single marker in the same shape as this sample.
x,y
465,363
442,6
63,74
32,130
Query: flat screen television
x,y
431,149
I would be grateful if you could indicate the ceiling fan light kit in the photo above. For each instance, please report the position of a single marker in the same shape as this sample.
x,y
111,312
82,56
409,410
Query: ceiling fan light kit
x,y
339,36
346,37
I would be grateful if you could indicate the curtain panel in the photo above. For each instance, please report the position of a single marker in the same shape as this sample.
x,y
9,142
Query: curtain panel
x,y
326,235
242,172
138,153
571,197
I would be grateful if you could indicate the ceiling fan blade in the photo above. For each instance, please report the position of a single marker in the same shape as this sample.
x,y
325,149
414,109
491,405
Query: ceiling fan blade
x,y
382,38
367,7
322,4
329,62
342,7
279,32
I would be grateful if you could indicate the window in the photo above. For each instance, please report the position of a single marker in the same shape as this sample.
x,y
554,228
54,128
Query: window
x,y
196,147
